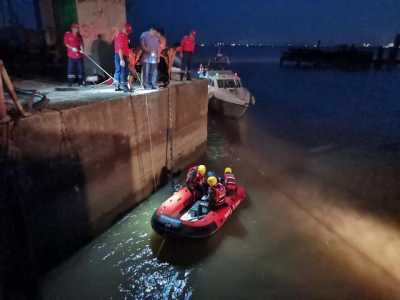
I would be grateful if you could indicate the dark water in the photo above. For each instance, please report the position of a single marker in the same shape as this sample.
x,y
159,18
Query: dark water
x,y
319,156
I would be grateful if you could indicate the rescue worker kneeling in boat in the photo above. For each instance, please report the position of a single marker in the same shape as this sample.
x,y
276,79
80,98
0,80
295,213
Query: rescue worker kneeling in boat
x,y
216,192
229,181
196,182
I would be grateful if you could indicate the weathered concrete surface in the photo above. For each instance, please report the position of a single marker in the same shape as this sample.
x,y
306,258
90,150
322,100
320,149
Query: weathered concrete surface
x,y
48,21
75,171
100,17
99,21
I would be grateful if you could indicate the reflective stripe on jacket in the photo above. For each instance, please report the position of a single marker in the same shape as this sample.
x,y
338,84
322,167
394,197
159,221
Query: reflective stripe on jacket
x,y
218,194
230,181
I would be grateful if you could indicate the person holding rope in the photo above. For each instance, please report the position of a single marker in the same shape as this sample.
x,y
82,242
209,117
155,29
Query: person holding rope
x,y
121,47
163,68
74,43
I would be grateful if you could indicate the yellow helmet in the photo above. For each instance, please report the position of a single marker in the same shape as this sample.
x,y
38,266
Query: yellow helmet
x,y
228,170
212,181
202,169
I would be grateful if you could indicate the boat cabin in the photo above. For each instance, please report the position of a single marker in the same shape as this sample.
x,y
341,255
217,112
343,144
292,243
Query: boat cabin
x,y
224,80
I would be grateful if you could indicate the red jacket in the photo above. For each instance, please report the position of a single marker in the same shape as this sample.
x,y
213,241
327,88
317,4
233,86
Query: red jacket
x,y
74,41
230,182
121,42
218,193
194,179
188,44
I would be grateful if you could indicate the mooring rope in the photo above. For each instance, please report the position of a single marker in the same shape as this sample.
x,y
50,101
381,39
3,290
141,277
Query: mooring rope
x,y
150,142
161,247
170,140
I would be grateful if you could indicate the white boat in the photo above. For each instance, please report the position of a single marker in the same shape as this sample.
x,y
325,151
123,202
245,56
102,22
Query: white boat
x,y
227,95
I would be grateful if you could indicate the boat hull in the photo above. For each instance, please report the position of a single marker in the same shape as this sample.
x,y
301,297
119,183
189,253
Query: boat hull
x,y
227,109
167,220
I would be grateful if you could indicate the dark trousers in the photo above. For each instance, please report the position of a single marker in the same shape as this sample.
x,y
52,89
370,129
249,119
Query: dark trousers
x,y
186,65
75,70
163,74
121,73
150,73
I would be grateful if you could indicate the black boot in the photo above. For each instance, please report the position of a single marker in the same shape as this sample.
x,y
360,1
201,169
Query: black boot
x,y
125,87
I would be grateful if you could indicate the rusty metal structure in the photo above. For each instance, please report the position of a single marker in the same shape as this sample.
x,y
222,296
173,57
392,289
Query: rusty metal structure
x,y
8,83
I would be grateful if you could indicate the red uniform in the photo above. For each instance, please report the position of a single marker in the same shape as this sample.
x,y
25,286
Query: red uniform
x,y
218,193
194,179
230,182
75,41
121,42
188,44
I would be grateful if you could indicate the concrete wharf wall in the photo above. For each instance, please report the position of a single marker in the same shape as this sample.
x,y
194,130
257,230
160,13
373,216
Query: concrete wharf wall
x,y
68,174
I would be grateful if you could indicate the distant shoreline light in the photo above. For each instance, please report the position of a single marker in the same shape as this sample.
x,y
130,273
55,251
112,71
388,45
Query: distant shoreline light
x,y
314,45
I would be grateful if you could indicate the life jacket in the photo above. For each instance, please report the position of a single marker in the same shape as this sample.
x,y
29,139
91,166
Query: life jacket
x,y
194,178
230,182
134,57
218,194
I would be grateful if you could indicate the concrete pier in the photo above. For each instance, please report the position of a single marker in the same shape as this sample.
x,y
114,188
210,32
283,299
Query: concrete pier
x,y
69,173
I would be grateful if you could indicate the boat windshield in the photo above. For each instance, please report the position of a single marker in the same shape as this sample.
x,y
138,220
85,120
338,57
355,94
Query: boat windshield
x,y
216,65
228,84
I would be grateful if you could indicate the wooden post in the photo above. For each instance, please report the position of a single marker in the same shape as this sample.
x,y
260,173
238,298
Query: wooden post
x,y
11,89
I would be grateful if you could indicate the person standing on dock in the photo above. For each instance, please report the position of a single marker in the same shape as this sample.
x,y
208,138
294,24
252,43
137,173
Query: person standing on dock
x,y
121,49
163,69
151,45
188,45
74,43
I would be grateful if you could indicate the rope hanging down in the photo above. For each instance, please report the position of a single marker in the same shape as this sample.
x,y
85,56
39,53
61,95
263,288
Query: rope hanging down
x,y
170,141
150,142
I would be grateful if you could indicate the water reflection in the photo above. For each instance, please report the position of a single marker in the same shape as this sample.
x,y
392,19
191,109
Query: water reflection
x,y
302,233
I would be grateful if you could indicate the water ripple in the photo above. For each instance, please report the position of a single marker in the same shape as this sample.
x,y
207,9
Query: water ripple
x,y
146,277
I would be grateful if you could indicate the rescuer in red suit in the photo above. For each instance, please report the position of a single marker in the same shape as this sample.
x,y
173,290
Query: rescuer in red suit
x,y
216,192
195,180
188,45
229,181
74,43
121,49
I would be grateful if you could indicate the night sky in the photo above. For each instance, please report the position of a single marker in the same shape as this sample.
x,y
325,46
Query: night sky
x,y
272,21
266,21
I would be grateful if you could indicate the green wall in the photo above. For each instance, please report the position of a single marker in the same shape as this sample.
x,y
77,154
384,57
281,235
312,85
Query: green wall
x,y
65,14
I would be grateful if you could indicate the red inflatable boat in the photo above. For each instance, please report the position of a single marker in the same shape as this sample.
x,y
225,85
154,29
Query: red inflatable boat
x,y
183,216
